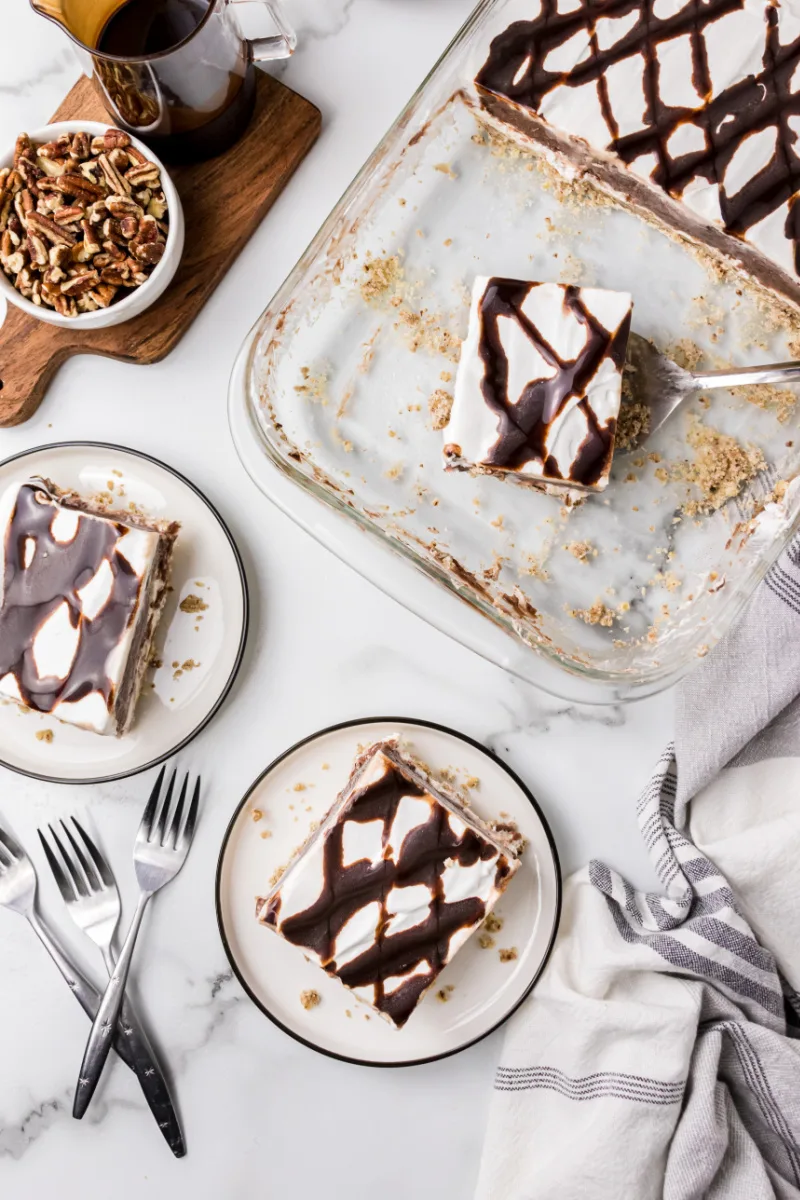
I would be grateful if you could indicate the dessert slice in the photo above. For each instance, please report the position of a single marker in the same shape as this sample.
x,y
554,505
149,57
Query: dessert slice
x,y
539,384
82,592
393,882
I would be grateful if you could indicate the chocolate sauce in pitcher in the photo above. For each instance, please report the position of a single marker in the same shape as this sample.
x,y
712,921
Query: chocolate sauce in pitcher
x,y
176,76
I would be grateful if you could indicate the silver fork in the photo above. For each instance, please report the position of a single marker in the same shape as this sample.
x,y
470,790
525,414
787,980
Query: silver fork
x,y
90,893
160,851
18,885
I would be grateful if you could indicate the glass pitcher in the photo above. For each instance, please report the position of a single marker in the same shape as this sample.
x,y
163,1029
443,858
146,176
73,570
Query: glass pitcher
x,y
178,74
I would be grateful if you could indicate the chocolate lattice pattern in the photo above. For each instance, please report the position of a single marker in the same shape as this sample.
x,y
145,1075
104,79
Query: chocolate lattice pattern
x,y
740,134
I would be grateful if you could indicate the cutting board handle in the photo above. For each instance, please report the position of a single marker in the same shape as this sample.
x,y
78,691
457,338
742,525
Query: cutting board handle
x,y
30,354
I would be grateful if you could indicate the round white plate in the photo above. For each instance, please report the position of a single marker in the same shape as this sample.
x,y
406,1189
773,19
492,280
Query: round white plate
x,y
296,790
173,706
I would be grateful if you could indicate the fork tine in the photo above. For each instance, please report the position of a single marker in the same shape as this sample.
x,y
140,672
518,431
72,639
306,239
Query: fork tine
x,y
89,871
162,817
177,816
64,885
12,848
73,868
100,863
148,817
191,819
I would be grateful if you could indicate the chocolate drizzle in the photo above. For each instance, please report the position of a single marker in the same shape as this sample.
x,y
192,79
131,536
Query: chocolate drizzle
x,y
55,574
525,422
757,102
346,890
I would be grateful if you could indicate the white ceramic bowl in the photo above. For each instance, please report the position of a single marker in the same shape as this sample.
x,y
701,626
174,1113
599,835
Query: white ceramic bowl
x,y
138,299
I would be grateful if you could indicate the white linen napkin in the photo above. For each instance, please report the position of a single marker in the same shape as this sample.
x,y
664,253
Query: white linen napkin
x,y
656,1057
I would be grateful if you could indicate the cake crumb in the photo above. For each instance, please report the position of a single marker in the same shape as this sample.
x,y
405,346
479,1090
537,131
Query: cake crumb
x,y
257,814
299,787
44,735
310,999
493,923
445,169
381,275
583,551
509,954
347,1012
394,472
472,782
486,941
266,833
192,604
443,995
326,766
440,404
633,420
598,614
720,468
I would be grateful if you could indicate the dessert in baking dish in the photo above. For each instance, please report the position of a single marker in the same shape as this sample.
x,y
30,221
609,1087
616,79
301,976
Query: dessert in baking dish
x,y
82,592
394,881
687,110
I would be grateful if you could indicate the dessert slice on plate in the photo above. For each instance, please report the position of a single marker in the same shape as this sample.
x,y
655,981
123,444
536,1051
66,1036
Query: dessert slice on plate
x,y
539,384
394,881
82,591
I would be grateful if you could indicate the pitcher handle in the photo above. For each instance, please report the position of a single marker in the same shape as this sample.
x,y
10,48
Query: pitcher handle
x,y
278,45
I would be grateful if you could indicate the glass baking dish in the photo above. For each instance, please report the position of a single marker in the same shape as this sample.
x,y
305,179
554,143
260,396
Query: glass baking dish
x,y
335,396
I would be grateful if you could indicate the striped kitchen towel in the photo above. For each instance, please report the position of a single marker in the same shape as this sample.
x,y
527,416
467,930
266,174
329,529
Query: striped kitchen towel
x,y
657,1057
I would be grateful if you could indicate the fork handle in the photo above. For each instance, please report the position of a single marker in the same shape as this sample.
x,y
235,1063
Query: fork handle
x,y
145,1065
134,1049
98,1046
788,372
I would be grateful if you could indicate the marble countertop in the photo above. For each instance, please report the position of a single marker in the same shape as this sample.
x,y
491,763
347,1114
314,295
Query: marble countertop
x,y
265,1117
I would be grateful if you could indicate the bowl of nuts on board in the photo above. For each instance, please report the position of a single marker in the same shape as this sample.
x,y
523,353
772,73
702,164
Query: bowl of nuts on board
x,y
91,225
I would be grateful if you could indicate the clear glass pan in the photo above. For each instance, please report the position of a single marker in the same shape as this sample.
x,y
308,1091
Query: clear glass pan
x,y
331,408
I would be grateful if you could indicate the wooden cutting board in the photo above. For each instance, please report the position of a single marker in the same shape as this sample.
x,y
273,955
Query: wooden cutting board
x,y
223,200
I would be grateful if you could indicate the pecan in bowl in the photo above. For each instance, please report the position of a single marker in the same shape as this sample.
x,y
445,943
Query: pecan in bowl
x,y
91,227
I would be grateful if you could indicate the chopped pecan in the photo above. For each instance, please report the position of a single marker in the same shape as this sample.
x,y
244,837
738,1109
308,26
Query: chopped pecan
x,y
144,175
114,139
157,206
51,166
123,206
115,181
80,282
103,294
23,148
129,227
148,252
113,251
114,275
65,305
119,160
70,214
14,262
97,212
80,146
52,278
87,303
90,238
59,256
37,250
49,230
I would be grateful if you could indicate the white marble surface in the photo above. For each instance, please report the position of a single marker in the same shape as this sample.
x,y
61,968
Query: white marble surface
x,y
264,1117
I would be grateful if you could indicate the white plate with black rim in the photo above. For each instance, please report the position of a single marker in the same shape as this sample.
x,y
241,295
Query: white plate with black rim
x,y
479,989
199,640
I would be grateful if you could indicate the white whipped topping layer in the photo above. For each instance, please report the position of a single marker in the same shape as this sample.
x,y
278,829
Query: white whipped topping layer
x,y
473,425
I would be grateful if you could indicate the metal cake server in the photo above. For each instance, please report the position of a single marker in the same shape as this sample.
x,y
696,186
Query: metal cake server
x,y
160,850
91,895
18,886
662,385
